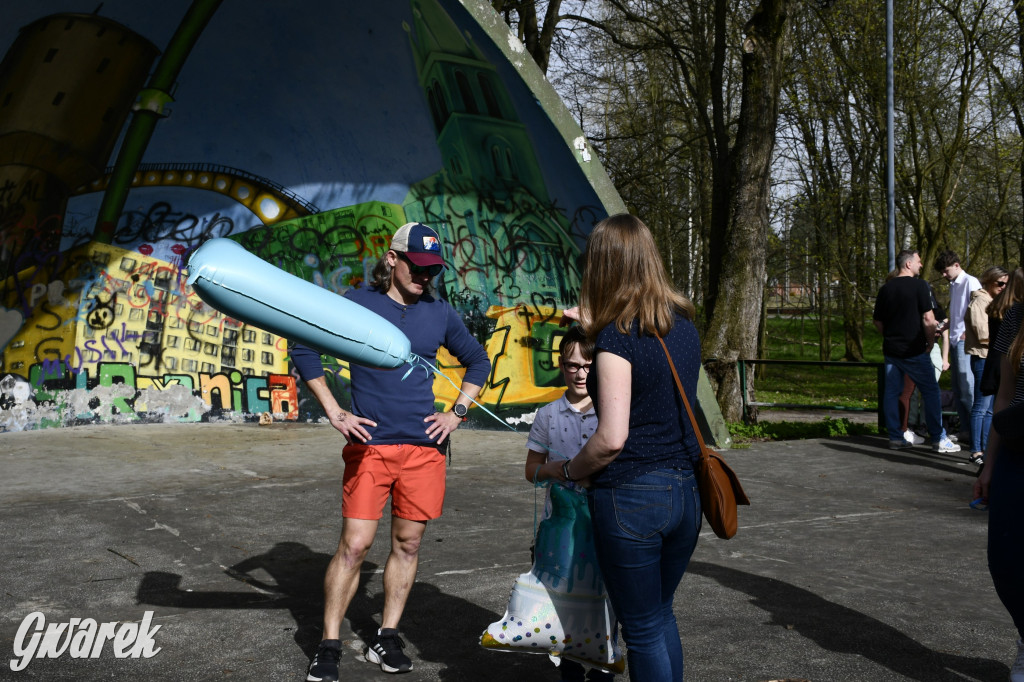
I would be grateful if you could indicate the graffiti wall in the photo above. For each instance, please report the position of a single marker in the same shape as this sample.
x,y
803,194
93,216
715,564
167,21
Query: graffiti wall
x,y
132,134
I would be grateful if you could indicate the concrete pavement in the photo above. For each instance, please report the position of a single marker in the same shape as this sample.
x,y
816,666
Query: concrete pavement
x,y
854,562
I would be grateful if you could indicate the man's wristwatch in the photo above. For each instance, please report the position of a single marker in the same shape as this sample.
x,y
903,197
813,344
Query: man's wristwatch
x,y
460,411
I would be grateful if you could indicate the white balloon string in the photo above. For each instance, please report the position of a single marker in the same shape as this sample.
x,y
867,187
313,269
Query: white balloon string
x,y
416,361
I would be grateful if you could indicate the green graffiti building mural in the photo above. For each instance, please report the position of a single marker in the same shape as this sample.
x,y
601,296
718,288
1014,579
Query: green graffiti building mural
x,y
131,135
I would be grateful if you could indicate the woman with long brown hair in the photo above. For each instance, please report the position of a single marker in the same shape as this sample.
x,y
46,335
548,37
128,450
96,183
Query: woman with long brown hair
x,y
976,346
1010,295
1001,482
639,465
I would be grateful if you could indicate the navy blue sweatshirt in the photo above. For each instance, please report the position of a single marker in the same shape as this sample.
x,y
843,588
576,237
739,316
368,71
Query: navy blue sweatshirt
x,y
399,406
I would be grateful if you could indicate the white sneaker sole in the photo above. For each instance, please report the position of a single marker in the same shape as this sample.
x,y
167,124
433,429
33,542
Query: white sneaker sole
x,y
373,657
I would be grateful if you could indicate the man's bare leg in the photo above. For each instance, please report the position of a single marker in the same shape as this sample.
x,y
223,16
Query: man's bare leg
x,y
400,569
342,578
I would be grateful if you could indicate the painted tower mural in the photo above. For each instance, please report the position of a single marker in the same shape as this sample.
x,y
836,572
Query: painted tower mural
x,y
130,136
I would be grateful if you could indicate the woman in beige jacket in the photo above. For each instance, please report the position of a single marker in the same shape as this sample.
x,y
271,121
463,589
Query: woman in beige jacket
x,y
976,347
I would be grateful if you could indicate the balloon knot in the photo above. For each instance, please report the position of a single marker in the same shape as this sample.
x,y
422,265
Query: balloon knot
x,y
415,362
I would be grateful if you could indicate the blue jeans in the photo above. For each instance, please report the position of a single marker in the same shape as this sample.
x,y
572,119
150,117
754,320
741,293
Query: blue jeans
x,y
963,383
981,411
1006,532
644,532
920,370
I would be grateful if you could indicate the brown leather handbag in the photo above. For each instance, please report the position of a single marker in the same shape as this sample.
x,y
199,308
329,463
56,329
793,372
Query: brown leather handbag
x,y
720,489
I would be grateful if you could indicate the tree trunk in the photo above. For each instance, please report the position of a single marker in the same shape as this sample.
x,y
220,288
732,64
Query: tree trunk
x,y
739,288
854,278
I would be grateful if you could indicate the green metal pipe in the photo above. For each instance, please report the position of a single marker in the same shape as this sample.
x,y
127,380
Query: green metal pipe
x,y
880,388
742,366
147,113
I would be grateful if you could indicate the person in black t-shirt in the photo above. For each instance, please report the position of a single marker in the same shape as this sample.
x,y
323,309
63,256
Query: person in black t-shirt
x,y
903,315
910,405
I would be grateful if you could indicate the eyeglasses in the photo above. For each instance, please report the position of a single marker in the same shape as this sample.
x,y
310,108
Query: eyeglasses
x,y
572,367
432,270
1001,283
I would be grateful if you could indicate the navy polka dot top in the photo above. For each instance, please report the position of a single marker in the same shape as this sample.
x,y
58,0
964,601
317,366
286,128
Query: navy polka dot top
x,y
660,435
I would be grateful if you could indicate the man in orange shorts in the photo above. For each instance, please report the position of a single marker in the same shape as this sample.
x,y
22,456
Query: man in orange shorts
x,y
395,441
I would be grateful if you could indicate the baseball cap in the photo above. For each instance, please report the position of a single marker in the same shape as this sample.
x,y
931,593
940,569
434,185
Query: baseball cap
x,y
419,243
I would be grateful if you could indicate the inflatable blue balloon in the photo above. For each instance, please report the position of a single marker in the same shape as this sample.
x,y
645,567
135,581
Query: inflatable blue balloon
x,y
248,288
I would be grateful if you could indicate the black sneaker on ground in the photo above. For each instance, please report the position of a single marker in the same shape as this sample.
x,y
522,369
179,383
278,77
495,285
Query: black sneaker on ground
x,y
386,650
324,666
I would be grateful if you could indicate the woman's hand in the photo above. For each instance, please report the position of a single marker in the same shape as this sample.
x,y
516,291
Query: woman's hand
x,y
982,483
574,314
555,471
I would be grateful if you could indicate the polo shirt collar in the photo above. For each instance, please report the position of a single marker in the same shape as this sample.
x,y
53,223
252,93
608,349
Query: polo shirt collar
x,y
565,406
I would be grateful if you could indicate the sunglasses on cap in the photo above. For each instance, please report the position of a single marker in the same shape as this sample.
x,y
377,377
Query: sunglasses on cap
x,y
431,270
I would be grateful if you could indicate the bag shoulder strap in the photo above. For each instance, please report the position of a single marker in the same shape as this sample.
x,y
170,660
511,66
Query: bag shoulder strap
x,y
686,402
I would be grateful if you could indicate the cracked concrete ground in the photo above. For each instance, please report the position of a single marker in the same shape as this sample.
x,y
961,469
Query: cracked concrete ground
x,y
854,562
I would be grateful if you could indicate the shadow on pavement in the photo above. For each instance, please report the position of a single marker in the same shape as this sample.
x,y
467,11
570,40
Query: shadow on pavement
x,y
878,449
840,629
297,586
443,628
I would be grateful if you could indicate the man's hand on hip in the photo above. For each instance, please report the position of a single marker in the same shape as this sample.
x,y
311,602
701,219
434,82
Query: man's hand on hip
x,y
351,426
442,424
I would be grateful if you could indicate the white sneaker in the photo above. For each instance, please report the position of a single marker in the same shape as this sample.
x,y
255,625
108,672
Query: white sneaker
x,y
1017,671
912,437
946,445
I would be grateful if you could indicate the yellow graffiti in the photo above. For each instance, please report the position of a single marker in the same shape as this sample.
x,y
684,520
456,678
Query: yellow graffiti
x,y
513,377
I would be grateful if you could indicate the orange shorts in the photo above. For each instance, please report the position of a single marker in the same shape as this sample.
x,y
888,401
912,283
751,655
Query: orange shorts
x,y
413,475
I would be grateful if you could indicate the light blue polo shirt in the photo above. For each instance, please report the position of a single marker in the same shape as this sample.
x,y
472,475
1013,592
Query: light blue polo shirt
x,y
560,431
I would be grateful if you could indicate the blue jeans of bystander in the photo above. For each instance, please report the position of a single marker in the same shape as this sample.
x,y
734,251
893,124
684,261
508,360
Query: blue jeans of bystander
x,y
963,383
919,368
645,532
981,411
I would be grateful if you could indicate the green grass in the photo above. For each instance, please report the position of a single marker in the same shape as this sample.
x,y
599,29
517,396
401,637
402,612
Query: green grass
x,y
744,434
796,338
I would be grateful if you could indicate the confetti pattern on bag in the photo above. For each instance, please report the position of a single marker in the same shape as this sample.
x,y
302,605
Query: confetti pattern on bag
x,y
560,607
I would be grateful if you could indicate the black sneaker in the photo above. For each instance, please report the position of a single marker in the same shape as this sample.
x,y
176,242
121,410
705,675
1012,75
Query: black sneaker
x,y
386,649
324,666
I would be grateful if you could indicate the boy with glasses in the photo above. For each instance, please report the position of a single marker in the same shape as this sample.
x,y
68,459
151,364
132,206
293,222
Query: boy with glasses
x,y
559,430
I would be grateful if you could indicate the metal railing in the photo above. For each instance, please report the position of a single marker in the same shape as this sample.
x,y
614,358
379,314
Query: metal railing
x,y
879,368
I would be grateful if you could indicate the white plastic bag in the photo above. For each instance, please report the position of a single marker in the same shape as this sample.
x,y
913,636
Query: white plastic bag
x,y
560,607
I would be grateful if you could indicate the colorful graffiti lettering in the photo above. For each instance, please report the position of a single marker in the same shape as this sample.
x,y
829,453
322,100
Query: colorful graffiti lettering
x,y
116,392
